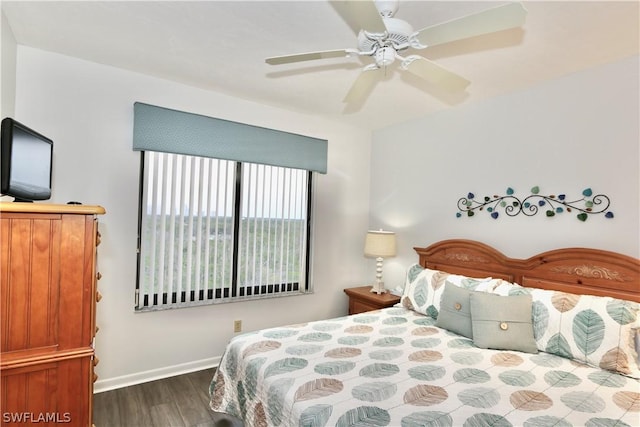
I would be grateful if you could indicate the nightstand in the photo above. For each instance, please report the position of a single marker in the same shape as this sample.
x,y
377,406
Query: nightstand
x,y
361,299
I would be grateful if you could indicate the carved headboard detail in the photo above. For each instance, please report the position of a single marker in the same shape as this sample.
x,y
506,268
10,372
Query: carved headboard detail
x,y
574,270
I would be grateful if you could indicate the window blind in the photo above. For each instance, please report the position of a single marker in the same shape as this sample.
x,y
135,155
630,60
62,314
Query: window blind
x,y
273,229
171,131
215,230
187,229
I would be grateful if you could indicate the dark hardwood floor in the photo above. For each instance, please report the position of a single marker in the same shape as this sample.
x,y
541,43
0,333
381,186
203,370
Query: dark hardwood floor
x,y
180,401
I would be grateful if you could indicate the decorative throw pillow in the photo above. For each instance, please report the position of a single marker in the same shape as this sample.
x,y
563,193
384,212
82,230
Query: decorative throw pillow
x,y
454,314
424,287
598,331
502,322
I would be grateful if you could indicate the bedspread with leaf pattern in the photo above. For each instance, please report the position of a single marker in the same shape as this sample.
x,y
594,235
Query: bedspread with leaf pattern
x,y
393,367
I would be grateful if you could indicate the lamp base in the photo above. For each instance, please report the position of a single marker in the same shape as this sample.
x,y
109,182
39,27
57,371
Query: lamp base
x,y
378,288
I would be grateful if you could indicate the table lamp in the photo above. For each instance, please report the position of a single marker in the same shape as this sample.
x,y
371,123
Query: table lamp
x,y
379,245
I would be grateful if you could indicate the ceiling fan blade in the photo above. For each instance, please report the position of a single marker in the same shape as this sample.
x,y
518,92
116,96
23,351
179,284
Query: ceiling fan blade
x,y
362,86
434,73
286,59
360,15
488,21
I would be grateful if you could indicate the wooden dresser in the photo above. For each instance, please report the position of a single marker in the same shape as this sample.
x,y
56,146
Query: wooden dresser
x,y
48,295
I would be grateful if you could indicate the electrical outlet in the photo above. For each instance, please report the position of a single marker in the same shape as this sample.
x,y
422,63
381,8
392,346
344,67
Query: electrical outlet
x,y
237,326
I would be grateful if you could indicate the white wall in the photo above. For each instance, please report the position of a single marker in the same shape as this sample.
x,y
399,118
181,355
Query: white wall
x,y
87,109
8,49
579,131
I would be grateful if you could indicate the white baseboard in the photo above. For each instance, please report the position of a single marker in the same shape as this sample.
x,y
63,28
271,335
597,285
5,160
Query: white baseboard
x,y
154,374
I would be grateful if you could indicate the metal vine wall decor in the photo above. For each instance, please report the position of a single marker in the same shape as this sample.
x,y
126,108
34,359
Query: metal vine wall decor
x,y
552,205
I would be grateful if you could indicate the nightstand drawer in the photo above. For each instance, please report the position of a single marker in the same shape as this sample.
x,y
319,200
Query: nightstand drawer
x,y
356,306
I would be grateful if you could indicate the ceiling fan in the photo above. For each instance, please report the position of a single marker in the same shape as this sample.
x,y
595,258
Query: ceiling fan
x,y
383,38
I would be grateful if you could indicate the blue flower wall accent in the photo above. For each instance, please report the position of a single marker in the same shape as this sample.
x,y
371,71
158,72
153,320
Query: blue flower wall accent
x,y
552,205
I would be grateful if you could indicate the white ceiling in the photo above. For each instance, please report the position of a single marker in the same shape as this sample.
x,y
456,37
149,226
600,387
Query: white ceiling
x,y
221,46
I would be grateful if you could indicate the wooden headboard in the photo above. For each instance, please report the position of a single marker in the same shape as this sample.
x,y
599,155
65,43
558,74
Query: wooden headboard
x,y
574,270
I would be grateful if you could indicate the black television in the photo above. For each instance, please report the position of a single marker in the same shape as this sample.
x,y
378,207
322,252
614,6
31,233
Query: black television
x,y
26,162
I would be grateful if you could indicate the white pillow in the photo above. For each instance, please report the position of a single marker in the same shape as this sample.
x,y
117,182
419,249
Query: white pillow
x,y
598,331
424,287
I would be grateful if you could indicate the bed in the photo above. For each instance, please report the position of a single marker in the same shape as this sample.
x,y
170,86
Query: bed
x,y
478,339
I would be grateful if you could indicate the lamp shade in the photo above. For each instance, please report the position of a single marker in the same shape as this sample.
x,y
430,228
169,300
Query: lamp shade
x,y
380,244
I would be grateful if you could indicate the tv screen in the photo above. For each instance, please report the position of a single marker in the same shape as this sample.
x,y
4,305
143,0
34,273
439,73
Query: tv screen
x,y
26,162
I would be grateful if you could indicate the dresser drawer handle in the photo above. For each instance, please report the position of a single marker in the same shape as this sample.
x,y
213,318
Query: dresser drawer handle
x,y
98,296
95,377
98,236
95,361
98,275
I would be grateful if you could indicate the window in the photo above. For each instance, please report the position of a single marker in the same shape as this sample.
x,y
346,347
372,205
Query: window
x,y
224,208
219,230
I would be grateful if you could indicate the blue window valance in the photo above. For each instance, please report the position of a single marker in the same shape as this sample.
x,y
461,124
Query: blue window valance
x,y
171,131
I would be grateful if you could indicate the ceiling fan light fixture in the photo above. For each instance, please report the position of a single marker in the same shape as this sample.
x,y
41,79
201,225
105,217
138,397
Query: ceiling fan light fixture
x,y
385,56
